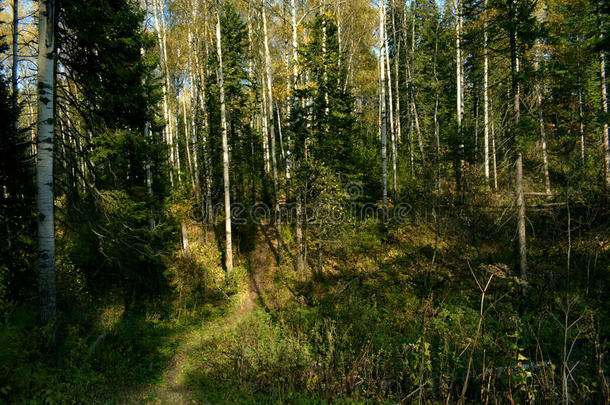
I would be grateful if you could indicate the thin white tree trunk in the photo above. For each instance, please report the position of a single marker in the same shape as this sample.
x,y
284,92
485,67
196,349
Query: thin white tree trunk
x,y
149,177
436,105
420,138
460,87
193,108
188,147
225,151
207,210
278,219
486,96
604,102
44,161
295,75
158,19
396,81
326,102
15,65
383,122
265,125
604,99
582,127
493,154
545,158
391,111
174,144
278,117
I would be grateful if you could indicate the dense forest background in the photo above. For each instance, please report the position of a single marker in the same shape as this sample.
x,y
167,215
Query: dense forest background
x,y
304,201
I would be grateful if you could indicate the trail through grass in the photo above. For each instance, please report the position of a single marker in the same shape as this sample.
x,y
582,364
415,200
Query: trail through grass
x,y
176,384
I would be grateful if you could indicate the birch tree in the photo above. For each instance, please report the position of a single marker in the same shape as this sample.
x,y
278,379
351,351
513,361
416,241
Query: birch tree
x,y
604,103
44,160
225,149
382,105
15,64
278,219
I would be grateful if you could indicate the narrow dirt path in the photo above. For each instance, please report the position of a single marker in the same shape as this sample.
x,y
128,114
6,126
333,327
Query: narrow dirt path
x,y
262,262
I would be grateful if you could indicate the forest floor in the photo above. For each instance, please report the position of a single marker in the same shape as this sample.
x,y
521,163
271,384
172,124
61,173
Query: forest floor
x,y
175,386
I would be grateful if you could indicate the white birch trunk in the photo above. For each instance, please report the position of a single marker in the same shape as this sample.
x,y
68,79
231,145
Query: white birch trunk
x,y
582,127
278,218
391,111
44,161
604,101
460,85
382,101
486,97
396,81
166,115
225,151
15,65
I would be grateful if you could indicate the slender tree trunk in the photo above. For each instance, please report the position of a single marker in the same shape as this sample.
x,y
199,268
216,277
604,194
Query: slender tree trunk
x,y
391,117
486,97
295,76
174,144
521,216
545,157
411,69
44,161
382,50
396,81
604,102
188,148
521,224
325,74
476,124
409,52
185,239
208,210
15,65
460,90
436,105
149,177
193,108
420,138
167,134
265,125
278,120
582,127
225,150
278,219
493,155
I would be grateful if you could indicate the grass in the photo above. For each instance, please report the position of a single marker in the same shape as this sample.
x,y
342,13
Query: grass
x,y
392,318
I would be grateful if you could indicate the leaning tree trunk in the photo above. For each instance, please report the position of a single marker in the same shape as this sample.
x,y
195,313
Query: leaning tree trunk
x,y
44,161
225,151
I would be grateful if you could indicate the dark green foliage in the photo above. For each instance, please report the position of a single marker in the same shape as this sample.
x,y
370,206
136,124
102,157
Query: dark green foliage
x,y
109,133
16,204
